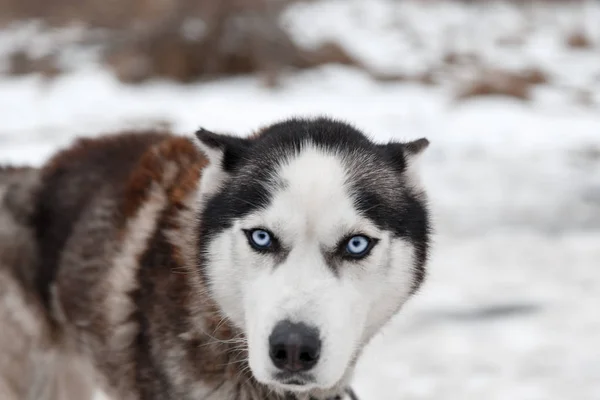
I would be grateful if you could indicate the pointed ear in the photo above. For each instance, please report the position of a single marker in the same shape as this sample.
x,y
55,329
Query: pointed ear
x,y
415,148
224,154
405,153
224,150
405,157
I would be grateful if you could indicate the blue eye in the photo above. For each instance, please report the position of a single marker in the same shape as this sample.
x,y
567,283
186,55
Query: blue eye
x,y
358,246
259,239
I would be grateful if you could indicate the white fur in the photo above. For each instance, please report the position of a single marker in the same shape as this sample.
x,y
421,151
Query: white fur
x,y
312,212
213,174
412,174
122,278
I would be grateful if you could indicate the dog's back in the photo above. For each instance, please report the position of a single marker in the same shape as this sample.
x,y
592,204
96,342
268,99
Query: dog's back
x,y
39,209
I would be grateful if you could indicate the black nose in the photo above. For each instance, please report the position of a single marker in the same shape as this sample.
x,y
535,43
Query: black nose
x,y
294,347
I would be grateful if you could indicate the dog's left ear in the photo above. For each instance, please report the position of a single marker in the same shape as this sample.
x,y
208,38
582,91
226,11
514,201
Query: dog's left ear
x,y
406,153
224,154
415,148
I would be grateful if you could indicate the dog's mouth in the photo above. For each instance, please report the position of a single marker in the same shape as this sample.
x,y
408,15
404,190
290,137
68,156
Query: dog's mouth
x,y
296,382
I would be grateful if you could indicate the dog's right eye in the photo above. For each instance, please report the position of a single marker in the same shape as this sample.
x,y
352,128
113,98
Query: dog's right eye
x,y
356,247
260,239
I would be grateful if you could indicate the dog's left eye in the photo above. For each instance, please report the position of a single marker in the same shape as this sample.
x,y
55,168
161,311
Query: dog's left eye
x,y
259,239
358,246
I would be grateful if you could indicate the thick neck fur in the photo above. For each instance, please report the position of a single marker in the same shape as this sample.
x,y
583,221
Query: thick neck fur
x,y
117,225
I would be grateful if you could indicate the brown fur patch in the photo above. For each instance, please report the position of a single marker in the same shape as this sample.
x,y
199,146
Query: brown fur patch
x,y
174,164
71,180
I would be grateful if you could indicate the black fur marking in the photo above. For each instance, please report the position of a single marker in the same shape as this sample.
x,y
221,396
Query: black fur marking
x,y
394,155
417,229
407,218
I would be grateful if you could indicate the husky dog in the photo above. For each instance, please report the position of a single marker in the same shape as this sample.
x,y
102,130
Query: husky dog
x,y
224,267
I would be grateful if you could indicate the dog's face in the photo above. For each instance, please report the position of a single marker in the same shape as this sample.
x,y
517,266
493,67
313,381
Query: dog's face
x,y
312,237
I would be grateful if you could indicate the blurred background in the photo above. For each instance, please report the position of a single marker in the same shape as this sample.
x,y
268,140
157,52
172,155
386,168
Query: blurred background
x,y
507,92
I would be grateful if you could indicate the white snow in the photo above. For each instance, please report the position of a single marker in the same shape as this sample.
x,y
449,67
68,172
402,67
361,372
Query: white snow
x,y
511,306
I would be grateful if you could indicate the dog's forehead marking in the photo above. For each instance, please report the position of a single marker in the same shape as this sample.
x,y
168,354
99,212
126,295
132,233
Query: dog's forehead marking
x,y
314,177
315,201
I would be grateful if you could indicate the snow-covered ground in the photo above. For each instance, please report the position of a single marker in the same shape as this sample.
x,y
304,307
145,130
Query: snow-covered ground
x,y
511,309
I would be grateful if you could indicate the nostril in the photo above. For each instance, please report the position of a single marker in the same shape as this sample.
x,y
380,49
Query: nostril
x,y
294,347
309,355
279,353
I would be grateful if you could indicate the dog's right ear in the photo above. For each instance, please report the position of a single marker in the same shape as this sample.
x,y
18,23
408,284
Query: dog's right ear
x,y
224,154
224,150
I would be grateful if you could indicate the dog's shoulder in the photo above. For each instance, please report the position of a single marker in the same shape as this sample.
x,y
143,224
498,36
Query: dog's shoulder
x,y
128,164
172,167
94,187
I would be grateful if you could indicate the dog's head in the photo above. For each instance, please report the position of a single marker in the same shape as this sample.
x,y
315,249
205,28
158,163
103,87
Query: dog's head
x,y
312,237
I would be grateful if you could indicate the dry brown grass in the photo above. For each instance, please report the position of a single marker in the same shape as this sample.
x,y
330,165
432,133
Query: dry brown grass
x,y
578,40
22,63
457,58
150,38
171,55
191,40
427,77
535,76
497,82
